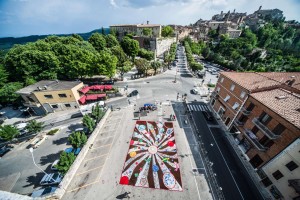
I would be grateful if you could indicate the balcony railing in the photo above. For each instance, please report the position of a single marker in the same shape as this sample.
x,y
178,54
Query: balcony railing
x,y
253,139
29,104
215,95
238,123
245,111
264,129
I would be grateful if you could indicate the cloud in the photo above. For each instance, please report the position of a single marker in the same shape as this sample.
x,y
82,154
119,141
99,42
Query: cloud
x,y
113,3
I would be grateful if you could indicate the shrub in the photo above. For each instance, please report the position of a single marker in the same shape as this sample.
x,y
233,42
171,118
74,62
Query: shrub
x,y
65,162
52,132
211,85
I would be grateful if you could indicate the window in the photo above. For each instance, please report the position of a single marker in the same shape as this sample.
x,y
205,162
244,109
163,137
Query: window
x,y
62,95
68,105
54,106
250,107
213,102
218,89
235,106
266,181
256,161
222,79
243,94
254,130
277,175
48,96
232,87
278,129
291,165
265,141
265,118
227,98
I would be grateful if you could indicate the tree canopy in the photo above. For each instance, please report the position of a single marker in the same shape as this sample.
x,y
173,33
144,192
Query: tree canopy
x,y
130,47
167,31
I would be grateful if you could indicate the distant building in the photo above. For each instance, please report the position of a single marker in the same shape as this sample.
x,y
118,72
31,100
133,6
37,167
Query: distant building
x,y
262,111
136,29
232,33
271,14
51,96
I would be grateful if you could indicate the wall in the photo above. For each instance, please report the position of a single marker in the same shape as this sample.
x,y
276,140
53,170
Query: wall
x,y
76,89
163,45
56,99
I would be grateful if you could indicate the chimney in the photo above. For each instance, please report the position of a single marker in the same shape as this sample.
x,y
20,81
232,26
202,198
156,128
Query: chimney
x,y
147,22
259,8
234,11
222,12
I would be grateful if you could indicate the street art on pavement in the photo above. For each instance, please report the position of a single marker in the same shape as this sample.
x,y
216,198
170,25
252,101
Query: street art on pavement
x,y
152,159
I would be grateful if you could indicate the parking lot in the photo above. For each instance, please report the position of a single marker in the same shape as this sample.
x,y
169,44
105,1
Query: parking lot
x,y
18,173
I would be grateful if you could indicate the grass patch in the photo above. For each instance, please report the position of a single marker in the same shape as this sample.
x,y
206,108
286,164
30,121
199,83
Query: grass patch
x,y
211,85
52,132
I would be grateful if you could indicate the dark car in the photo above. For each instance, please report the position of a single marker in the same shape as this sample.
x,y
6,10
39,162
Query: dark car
x,y
133,93
4,150
110,82
208,115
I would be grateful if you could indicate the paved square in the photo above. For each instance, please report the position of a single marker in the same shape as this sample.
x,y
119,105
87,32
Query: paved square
x,y
152,159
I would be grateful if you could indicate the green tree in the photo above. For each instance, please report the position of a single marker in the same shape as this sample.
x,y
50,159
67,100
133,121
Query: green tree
x,y
130,47
126,67
167,31
142,65
97,112
196,66
65,162
34,126
3,76
98,41
78,37
148,55
109,61
155,65
120,54
89,123
77,139
7,92
111,41
8,132
147,31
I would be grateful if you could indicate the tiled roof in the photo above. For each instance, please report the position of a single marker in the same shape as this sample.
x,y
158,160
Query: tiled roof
x,y
50,86
282,102
250,80
284,77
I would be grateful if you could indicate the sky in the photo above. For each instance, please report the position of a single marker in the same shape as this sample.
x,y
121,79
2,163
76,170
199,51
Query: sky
x,y
39,17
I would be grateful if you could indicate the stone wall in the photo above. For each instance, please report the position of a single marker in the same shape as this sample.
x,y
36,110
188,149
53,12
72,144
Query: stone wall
x,y
163,45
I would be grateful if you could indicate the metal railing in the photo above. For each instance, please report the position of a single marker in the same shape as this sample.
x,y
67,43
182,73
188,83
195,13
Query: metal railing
x,y
264,129
245,111
250,136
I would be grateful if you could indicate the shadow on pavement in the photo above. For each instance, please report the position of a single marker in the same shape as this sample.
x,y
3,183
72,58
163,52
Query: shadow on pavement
x,y
73,127
186,75
34,180
49,158
60,141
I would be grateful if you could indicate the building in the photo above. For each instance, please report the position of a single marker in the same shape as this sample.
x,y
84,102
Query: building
x,y
262,112
273,14
232,33
51,96
136,29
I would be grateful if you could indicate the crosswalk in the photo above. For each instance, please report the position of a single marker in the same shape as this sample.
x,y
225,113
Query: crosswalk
x,y
197,107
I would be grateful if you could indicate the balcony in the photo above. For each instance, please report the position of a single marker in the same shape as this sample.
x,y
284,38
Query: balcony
x,y
253,139
264,129
245,111
214,95
238,123
31,104
295,183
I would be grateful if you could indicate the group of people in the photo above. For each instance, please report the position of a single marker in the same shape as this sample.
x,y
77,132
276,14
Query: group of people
x,y
147,108
172,117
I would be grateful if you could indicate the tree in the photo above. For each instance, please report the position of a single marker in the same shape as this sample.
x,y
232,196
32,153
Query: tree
x,y
148,55
130,47
109,62
65,162
155,65
78,37
8,132
142,65
98,41
34,126
111,41
3,76
8,92
77,139
89,123
147,31
167,31
120,54
126,67
97,112
196,66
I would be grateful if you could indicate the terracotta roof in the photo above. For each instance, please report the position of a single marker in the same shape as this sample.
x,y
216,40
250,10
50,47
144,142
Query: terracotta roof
x,y
250,80
282,102
284,77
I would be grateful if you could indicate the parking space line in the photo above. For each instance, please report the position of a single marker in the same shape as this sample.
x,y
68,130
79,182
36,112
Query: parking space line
x,y
83,186
88,171
101,146
94,157
104,138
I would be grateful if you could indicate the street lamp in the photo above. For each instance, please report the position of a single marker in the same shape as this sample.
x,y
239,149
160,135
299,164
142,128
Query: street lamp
x,y
31,151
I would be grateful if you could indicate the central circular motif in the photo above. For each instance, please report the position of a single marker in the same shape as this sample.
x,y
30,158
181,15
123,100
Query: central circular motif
x,y
152,149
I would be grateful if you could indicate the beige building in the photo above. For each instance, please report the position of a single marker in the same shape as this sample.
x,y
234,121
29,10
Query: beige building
x,y
137,29
282,173
232,33
51,96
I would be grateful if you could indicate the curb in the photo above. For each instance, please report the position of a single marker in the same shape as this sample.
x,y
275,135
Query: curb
x,y
60,191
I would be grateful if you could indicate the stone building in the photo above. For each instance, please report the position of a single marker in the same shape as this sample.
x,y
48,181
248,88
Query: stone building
x,y
136,29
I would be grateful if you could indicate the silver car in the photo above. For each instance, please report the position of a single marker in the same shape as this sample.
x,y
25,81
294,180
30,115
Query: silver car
x,y
51,179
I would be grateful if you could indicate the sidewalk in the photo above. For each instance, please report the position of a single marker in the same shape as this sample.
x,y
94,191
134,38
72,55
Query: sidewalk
x,y
251,172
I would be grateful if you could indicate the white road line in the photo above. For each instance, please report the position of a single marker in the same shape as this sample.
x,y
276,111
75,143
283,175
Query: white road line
x,y
194,107
197,109
200,108
189,107
226,163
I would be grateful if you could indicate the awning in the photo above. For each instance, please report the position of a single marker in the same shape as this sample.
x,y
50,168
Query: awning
x,y
85,90
94,96
82,100
108,87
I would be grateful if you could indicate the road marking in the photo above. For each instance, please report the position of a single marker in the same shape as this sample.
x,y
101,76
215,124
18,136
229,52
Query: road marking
x,y
88,170
101,146
83,186
95,157
104,138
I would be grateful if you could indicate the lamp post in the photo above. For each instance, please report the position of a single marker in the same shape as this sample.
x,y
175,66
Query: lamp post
x,y
31,151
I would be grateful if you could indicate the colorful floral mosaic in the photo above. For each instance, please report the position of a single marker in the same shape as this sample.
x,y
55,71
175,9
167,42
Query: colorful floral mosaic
x,y
152,159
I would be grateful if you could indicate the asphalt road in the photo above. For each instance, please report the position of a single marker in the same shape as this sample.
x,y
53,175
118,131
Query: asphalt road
x,y
229,171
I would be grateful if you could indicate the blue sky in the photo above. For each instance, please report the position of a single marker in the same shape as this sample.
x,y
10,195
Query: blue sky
x,y
37,17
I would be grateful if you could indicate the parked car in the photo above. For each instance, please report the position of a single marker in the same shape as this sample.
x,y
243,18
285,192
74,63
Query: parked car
x,y
73,150
207,115
36,142
51,179
53,165
195,91
133,93
4,150
43,192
